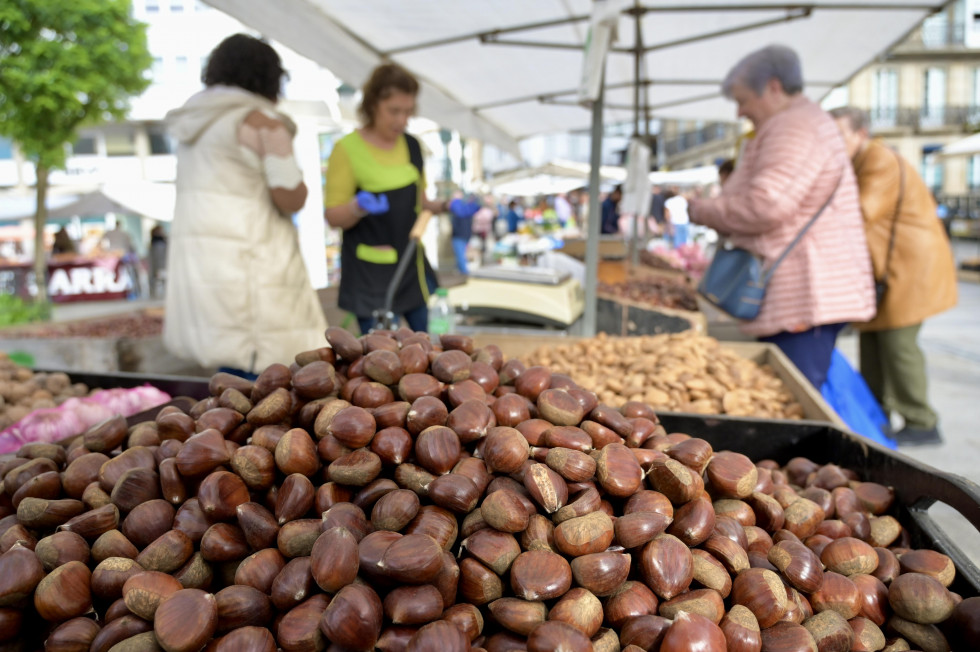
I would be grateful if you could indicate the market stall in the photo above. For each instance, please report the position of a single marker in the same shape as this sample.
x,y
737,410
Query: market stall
x,y
394,492
506,70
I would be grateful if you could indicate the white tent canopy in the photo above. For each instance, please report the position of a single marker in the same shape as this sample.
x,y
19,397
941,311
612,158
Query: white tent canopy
x,y
144,198
966,147
558,176
502,70
562,176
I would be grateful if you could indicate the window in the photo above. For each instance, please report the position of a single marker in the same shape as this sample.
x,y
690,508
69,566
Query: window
x,y
157,69
176,6
935,30
182,67
6,148
884,98
973,172
934,97
120,141
160,141
975,97
152,6
932,167
84,146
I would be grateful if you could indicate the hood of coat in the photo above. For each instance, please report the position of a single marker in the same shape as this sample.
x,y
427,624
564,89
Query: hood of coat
x,y
203,109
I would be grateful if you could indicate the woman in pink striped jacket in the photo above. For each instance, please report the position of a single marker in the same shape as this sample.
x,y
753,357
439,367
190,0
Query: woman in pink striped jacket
x,y
785,174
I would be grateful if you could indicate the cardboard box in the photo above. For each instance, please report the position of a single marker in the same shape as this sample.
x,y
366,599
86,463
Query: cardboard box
x,y
815,408
613,247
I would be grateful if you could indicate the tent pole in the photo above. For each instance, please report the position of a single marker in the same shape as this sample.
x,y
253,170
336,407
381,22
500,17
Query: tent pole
x,y
595,219
632,254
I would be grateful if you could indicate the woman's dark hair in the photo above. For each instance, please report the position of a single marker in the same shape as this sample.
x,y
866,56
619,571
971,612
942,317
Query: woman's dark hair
x,y
246,62
385,79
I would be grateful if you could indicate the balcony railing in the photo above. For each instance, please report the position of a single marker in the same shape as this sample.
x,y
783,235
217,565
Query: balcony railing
x,y
936,35
923,117
943,34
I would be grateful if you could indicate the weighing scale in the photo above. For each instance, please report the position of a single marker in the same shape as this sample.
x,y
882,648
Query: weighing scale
x,y
521,294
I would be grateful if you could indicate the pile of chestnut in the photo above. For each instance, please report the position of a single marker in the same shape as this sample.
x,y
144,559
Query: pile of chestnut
x,y
386,492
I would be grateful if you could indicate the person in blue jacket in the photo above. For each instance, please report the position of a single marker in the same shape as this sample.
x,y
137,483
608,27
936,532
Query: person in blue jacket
x,y
462,211
610,211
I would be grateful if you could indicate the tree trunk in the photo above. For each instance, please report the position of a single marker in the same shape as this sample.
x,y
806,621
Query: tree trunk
x,y
40,220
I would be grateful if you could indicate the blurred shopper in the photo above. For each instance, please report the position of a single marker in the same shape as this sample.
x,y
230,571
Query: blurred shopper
x,y
238,294
513,216
657,200
725,170
158,258
375,190
118,240
795,164
912,257
563,210
675,211
462,210
63,244
610,211
483,221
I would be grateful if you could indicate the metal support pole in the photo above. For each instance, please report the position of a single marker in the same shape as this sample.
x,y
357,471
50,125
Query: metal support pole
x,y
632,255
595,220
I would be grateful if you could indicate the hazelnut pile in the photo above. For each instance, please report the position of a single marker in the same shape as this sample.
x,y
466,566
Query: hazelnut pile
x,y
666,292
22,391
387,493
681,372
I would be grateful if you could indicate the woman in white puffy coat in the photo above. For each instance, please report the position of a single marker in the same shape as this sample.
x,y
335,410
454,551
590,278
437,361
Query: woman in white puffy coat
x,y
238,293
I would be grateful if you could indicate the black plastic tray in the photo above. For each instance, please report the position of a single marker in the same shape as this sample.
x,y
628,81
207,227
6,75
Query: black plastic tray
x,y
193,386
917,486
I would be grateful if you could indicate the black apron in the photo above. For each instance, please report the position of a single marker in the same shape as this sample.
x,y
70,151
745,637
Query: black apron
x,y
371,248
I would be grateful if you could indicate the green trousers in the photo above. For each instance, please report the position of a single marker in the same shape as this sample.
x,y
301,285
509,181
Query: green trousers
x,y
895,369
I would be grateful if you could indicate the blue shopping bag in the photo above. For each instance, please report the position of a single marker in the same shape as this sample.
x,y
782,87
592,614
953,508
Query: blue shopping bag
x,y
846,392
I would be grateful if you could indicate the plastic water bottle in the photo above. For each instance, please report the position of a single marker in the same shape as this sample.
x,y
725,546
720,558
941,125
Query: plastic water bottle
x,y
442,317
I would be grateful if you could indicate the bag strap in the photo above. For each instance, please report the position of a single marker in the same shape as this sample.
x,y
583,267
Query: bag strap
x,y
806,227
414,152
898,208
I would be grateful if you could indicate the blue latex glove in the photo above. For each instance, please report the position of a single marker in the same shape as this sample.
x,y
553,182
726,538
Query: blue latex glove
x,y
373,204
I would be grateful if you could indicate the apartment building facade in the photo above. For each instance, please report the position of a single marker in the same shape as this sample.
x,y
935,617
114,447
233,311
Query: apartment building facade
x,y
921,95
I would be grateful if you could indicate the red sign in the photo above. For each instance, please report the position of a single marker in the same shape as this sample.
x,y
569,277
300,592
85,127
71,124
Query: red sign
x,y
75,279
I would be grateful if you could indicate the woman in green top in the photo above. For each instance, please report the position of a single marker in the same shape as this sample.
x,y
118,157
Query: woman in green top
x,y
375,189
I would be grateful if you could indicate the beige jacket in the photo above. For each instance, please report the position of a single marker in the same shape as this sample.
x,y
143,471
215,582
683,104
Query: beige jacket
x,y
921,272
238,293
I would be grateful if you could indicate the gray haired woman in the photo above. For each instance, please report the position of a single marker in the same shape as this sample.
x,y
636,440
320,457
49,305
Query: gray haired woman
x,y
794,163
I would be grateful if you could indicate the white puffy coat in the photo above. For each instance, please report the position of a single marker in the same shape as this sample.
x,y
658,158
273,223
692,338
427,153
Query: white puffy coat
x,y
238,293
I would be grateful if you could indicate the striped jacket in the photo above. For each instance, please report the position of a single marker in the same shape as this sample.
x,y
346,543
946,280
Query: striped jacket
x,y
782,179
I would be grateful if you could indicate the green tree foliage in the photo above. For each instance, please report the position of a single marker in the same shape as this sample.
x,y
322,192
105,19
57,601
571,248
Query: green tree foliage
x,y
65,64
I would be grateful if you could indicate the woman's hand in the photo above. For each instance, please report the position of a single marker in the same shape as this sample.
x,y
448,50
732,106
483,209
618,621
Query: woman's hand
x,y
372,204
